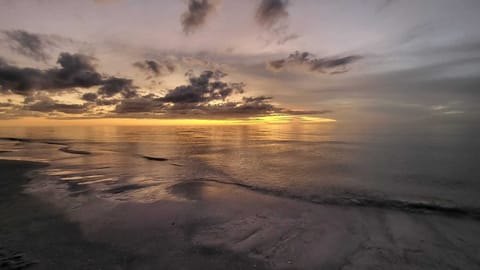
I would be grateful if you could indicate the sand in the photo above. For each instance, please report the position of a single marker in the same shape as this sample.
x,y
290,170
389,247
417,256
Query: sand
x,y
210,225
37,234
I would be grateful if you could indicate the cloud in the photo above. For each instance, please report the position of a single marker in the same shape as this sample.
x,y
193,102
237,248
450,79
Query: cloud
x,y
76,70
48,105
114,85
286,38
28,44
197,13
272,15
89,97
271,12
107,102
20,80
149,103
151,67
206,94
204,88
308,61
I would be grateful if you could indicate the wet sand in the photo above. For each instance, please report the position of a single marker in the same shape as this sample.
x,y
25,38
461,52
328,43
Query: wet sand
x,y
37,234
211,225
288,234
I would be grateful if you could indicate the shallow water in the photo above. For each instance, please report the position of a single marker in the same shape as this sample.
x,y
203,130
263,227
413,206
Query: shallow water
x,y
414,170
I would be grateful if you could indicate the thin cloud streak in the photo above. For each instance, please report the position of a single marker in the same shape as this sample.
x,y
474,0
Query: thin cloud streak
x,y
307,61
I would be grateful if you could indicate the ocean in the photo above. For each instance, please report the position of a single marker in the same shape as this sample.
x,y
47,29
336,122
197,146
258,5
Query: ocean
x,y
419,170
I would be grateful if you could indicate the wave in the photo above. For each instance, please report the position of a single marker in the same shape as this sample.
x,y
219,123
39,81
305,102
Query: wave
x,y
16,139
361,201
155,158
73,151
24,140
67,148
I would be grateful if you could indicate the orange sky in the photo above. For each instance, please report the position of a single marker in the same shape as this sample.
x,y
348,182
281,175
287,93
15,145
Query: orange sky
x,y
276,119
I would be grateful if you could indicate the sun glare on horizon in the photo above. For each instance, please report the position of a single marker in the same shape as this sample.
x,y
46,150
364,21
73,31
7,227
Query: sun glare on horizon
x,y
270,119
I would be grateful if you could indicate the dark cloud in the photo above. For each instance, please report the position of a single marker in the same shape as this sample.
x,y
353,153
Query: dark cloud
x,y
206,94
151,67
114,85
76,70
197,14
271,12
89,97
28,44
107,102
20,80
272,15
148,66
204,88
277,64
156,105
145,104
48,105
257,99
308,61
255,105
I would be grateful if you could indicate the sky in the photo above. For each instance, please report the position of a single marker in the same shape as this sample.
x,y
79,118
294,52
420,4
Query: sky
x,y
362,60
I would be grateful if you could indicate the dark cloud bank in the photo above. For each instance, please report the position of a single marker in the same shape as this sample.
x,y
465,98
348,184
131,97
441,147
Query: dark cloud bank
x,y
205,95
76,70
46,104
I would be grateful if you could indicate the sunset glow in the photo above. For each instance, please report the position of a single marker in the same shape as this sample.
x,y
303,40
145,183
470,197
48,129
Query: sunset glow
x,y
274,119
237,135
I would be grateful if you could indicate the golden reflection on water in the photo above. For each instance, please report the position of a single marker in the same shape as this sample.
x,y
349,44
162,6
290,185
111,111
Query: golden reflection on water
x,y
38,121
274,128
116,167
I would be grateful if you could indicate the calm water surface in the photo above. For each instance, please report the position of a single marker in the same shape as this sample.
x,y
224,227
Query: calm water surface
x,y
311,162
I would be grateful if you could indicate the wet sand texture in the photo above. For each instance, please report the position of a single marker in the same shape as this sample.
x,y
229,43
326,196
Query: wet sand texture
x,y
37,235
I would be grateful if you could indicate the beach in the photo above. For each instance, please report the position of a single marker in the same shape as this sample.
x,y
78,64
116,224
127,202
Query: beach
x,y
38,235
223,134
217,226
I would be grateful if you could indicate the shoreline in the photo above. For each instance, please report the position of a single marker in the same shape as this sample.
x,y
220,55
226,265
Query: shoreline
x,y
36,234
444,208
219,226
